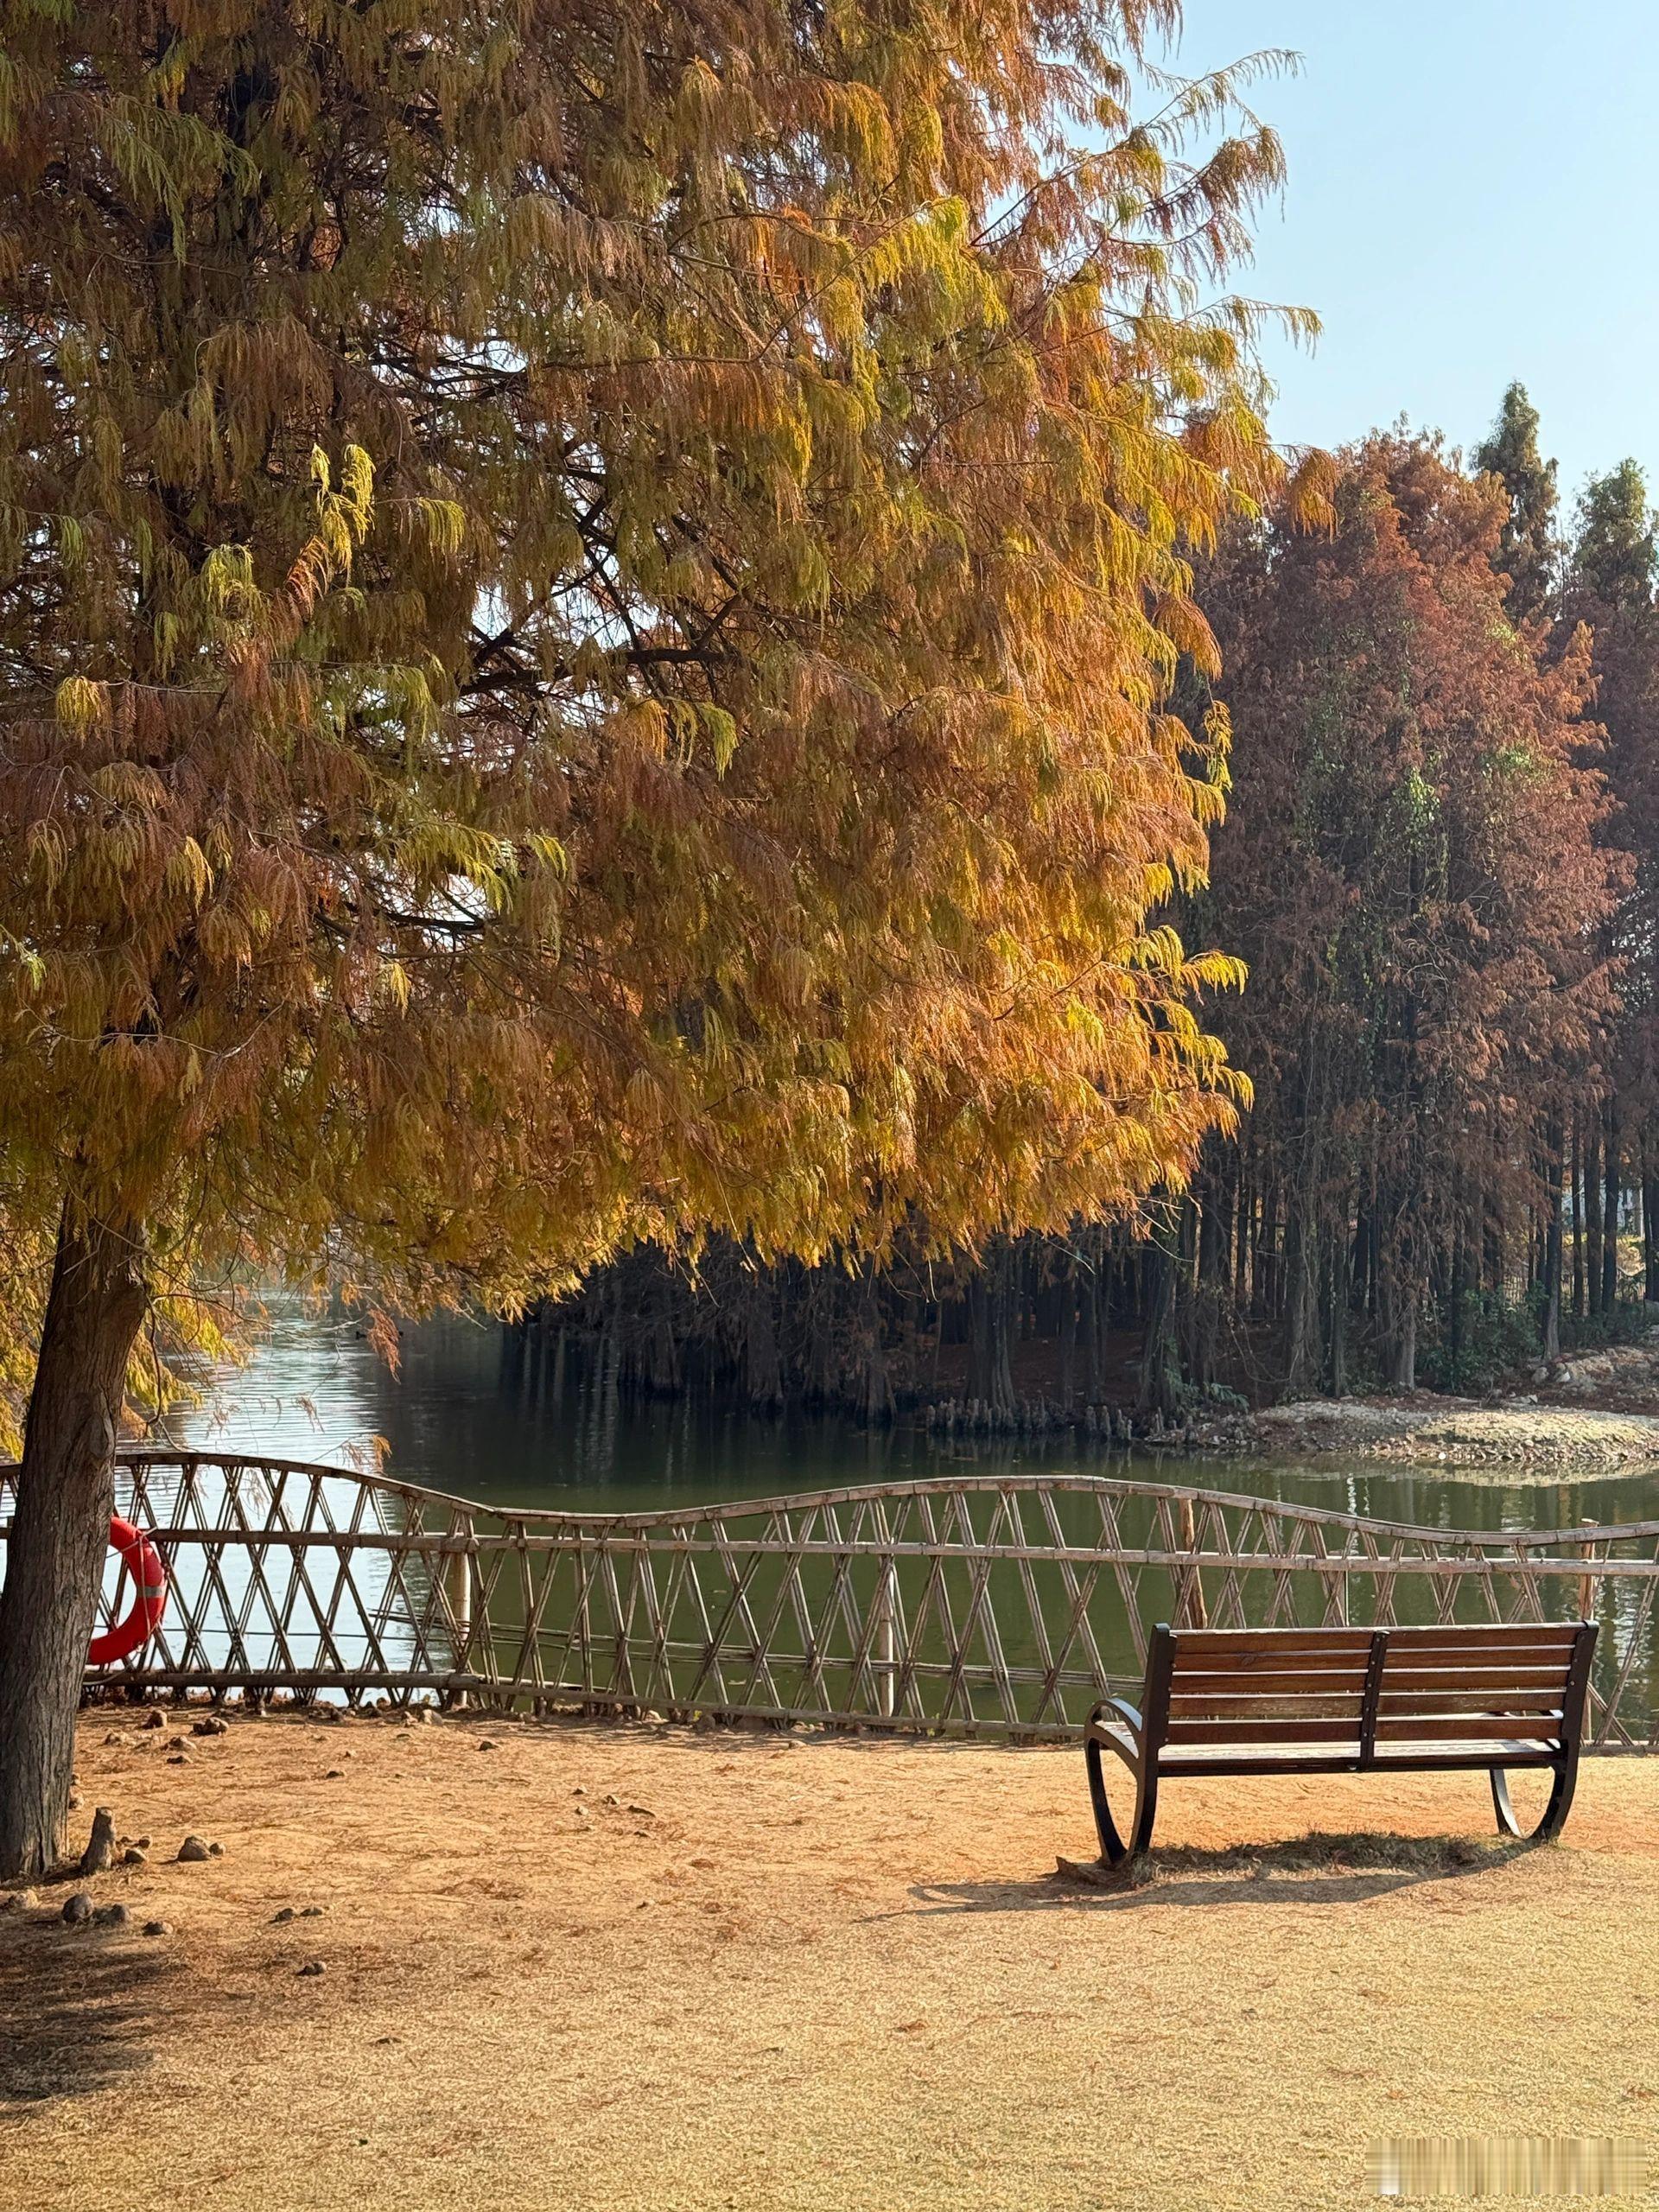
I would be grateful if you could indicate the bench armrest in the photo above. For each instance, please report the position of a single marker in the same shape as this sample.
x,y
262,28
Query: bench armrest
x,y
1122,1710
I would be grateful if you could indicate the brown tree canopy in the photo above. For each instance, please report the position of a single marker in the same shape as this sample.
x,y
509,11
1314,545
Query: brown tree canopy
x,y
1412,871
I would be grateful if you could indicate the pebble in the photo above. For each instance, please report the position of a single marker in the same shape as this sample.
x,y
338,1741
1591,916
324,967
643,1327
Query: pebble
x,y
488,1744
132,1856
142,1842
580,1789
335,1774
314,1966
194,1851
211,1725
78,1908
158,1928
112,1916
280,1918
115,1737
217,1849
20,1901
74,1801
154,1719
179,1758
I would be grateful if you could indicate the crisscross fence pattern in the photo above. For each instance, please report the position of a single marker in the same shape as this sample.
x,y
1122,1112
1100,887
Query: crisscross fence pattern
x,y
1002,1605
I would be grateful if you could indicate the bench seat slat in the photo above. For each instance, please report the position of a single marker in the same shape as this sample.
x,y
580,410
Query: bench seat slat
x,y
1332,1759
1439,1727
1308,1704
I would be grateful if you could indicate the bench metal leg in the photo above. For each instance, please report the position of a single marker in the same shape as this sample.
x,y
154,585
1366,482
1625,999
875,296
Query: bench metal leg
x,y
1113,1849
1565,1779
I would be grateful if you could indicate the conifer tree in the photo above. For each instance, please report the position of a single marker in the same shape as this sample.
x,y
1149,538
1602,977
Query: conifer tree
x,y
1614,554
1610,593
1528,549
587,606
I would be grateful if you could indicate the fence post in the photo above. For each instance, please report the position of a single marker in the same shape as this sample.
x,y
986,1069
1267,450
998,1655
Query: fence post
x,y
1586,1582
886,1638
460,1611
1191,1608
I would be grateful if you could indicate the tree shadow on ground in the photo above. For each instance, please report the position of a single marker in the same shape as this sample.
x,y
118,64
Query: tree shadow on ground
x,y
76,2007
1333,1870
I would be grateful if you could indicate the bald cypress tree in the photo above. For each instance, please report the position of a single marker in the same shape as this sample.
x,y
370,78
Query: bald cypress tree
x,y
1528,549
1615,553
586,603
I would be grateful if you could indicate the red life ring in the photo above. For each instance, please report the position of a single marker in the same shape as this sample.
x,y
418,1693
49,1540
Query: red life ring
x,y
144,1564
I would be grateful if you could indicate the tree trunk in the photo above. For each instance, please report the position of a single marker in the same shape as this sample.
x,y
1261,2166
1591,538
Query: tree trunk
x,y
1302,1272
1576,1187
1610,1162
1069,1330
1160,1356
1405,1341
1204,1359
1551,1311
992,1297
60,1531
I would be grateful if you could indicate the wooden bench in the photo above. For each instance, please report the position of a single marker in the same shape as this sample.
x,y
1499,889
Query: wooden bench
x,y
1348,1700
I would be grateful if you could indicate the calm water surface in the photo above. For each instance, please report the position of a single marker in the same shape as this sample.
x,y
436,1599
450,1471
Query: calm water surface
x,y
466,1413
473,1413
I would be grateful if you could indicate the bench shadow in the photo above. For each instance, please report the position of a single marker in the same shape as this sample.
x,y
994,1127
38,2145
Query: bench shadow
x,y
1314,1869
76,2011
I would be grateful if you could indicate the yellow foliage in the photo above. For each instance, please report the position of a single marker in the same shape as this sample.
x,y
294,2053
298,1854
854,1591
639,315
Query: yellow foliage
x,y
623,689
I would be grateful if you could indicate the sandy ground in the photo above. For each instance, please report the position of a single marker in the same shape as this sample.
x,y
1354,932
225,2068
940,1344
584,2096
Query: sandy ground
x,y
599,1966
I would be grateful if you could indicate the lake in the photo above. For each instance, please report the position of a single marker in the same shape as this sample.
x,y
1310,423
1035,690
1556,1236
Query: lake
x,y
470,1412
475,1411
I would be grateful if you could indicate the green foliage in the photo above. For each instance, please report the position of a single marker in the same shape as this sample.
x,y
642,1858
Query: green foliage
x,y
1529,551
1614,555
1478,1342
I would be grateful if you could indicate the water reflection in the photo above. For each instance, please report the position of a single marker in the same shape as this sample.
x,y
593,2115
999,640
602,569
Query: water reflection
x,y
475,1411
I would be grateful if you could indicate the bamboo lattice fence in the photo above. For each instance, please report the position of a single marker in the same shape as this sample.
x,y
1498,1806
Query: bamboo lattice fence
x,y
1000,1605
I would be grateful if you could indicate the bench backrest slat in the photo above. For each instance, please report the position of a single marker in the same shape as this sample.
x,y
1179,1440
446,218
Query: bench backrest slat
x,y
1358,1688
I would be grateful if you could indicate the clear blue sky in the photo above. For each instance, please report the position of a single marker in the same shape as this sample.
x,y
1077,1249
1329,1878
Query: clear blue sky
x,y
1473,196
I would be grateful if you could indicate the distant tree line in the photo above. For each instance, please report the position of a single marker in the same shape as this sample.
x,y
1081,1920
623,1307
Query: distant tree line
x,y
1440,865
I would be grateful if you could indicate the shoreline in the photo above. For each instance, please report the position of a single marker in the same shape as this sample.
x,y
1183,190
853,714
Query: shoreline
x,y
1520,1441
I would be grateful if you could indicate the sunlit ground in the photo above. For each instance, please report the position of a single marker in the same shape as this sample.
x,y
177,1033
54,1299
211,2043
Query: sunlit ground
x,y
632,1969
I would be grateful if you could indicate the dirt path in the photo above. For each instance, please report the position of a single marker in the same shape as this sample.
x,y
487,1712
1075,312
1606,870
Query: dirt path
x,y
629,1968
